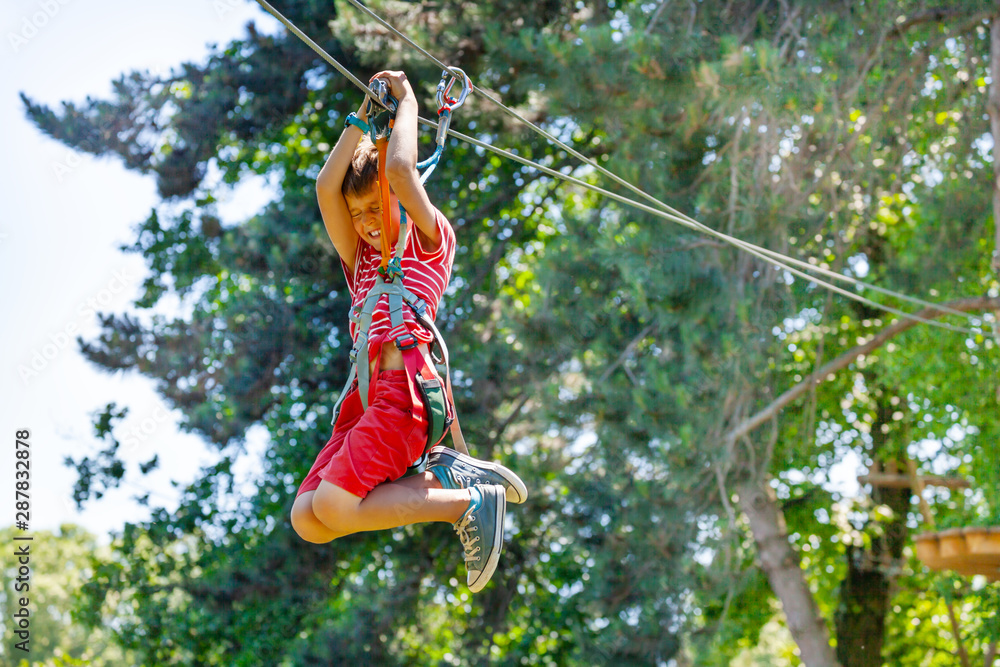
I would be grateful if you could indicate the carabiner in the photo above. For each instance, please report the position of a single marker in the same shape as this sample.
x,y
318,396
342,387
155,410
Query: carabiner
x,y
380,119
381,90
448,80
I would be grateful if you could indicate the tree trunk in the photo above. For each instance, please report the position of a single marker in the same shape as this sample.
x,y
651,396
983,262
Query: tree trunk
x,y
993,106
860,620
781,564
865,594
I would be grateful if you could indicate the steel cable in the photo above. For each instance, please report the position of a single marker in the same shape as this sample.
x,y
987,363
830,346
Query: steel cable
x,y
663,210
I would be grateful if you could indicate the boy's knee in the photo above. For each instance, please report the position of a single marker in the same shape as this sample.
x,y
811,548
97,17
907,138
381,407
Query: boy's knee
x,y
333,507
307,526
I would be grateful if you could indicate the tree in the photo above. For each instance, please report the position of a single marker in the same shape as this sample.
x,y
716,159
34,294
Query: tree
x,y
628,367
59,566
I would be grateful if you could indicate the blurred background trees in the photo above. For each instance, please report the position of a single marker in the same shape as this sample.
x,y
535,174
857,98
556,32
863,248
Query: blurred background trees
x,y
60,566
605,354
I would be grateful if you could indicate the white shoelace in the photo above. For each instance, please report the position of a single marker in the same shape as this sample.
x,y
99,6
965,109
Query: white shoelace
x,y
464,529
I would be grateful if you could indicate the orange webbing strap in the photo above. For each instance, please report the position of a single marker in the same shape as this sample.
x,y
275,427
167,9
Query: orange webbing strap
x,y
383,183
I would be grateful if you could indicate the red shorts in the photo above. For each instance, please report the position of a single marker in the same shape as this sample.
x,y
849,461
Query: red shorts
x,y
375,445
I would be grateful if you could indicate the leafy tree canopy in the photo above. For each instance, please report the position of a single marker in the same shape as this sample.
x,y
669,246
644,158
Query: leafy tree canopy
x,y
602,352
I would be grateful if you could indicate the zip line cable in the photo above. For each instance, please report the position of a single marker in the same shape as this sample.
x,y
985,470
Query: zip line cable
x,y
750,247
322,52
747,247
635,189
668,214
663,211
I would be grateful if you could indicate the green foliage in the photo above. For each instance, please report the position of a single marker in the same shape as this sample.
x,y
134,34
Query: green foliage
x,y
60,564
602,352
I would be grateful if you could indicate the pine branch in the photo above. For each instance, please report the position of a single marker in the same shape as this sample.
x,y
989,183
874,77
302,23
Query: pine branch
x,y
626,353
991,654
993,108
936,15
515,413
844,360
656,16
956,632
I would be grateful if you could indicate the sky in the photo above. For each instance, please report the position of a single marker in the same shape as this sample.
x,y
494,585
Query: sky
x,y
63,219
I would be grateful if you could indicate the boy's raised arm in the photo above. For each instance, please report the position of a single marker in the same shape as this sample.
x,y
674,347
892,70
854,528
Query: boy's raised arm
x,y
333,206
401,161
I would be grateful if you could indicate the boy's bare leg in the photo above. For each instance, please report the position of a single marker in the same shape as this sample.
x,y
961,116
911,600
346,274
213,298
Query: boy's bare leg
x,y
417,499
305,523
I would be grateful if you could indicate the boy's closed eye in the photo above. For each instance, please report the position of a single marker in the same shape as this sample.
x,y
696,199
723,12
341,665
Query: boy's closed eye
x,y
375,210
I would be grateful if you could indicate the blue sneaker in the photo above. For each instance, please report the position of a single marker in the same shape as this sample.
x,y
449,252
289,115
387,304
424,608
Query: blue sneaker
x,y
481,532
457,471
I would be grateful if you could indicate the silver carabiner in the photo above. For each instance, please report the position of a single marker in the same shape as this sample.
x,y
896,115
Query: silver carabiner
x,y
448,80
379,118
381,90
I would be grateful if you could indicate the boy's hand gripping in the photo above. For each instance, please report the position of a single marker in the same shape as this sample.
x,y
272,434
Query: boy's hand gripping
x,y
380,118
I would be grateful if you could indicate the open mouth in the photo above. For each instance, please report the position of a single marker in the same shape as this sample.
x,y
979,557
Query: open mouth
x,y
374,234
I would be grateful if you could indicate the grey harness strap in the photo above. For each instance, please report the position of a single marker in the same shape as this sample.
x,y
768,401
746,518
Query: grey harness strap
x,y
456,429
397,295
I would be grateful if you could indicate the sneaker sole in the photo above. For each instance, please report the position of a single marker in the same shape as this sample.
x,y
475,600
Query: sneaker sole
x,y
491,563
516,491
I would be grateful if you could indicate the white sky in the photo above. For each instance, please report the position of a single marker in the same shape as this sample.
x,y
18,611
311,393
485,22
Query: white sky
x,y
64,216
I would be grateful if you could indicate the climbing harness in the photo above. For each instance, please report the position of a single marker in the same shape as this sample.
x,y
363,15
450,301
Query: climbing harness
x,y
425,382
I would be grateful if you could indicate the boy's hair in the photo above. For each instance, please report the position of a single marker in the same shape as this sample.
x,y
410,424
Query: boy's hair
x,y
362,174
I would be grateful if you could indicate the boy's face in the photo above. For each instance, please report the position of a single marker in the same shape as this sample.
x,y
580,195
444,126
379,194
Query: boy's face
x,y
366,215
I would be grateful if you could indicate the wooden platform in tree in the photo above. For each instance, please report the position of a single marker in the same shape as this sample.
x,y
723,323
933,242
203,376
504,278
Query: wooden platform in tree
x,y
967,551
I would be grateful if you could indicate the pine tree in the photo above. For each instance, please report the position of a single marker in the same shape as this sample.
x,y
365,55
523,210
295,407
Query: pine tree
x,y
613,358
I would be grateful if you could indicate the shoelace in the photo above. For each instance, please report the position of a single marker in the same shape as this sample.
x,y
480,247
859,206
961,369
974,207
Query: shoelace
x,y
467,476
464,480
470,475
467,540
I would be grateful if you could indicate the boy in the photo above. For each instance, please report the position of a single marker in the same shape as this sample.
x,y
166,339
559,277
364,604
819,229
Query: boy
x,y
355,484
